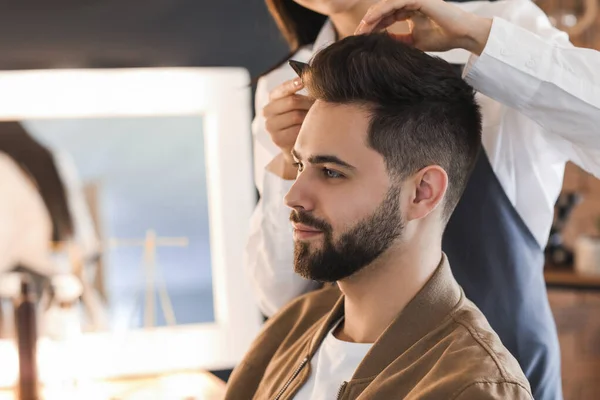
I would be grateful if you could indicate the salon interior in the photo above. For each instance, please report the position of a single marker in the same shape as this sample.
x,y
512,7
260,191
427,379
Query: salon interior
x,y
128,159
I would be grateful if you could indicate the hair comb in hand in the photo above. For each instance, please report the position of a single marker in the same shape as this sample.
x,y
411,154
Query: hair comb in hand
x,y
298,66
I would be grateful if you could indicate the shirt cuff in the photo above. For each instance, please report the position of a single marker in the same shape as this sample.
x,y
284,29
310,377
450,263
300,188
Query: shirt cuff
x,y
512,65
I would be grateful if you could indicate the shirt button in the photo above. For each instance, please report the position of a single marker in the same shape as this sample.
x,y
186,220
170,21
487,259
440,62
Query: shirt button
x,y
504,52
530,63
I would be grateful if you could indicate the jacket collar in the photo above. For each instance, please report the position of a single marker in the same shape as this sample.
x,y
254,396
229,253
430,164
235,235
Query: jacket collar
x,y
431,305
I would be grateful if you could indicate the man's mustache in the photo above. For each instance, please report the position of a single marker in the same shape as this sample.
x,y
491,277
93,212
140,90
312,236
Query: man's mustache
x,y
302,217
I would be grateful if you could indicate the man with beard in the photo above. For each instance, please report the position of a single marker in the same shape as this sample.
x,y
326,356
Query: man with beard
x,y
383,157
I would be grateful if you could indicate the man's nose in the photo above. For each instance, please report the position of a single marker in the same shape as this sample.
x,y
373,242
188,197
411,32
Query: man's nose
x,y
300,196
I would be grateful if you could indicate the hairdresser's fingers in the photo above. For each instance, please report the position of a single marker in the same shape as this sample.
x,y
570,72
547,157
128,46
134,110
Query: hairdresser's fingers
x,y
284,121
383,24
400,15
385,10
286,88
288,103
285,140
406,38
453,20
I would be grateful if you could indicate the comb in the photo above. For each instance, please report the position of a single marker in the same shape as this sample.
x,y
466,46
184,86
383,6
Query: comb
x,y
298,67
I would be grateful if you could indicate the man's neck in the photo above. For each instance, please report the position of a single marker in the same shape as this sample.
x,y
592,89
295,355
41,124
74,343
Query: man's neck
x,y
346,23
378,293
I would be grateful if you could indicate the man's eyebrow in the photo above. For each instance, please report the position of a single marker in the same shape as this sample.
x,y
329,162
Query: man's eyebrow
x,y
324,159
329,159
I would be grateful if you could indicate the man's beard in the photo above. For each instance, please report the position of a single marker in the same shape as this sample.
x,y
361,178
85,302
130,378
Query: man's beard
x,y
355,249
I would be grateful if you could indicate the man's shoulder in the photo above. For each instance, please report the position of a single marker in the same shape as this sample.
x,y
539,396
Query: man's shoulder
x,y
464,359
475,353
494,390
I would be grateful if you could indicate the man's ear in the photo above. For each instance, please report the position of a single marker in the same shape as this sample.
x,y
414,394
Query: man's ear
x,y
427,190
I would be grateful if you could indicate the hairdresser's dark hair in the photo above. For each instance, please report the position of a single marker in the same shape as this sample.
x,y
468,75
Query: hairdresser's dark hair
x,y
298,25
422,112
38,163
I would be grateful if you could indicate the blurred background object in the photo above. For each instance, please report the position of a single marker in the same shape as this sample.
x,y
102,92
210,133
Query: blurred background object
x,y
111,194
136,241
579,18
138,33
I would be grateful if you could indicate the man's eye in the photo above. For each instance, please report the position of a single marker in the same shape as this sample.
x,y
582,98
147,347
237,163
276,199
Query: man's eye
x,y
299,166
331,174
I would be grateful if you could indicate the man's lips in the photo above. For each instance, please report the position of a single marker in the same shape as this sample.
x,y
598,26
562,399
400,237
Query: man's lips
x,y
303,232
304,228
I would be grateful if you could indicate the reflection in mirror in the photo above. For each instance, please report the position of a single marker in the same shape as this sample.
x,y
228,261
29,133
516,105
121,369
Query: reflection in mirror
x,y
137,198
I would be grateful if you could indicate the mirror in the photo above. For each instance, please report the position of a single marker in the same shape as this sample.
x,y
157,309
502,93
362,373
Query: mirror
x,y
156,174
146,181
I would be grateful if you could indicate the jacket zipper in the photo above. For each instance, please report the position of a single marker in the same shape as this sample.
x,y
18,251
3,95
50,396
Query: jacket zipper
x,y
294,375
339,395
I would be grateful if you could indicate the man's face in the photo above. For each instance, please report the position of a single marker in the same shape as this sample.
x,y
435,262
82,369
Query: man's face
x,y
345,208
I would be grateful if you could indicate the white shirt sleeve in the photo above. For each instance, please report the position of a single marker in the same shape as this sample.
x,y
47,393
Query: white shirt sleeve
x,y
532,67
268,258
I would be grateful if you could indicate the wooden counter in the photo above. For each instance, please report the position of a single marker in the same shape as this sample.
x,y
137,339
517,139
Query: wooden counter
x,y
567,278
197,385
575,302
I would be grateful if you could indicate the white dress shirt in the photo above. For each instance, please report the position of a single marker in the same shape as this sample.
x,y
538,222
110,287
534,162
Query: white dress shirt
x,y
333,364
540,99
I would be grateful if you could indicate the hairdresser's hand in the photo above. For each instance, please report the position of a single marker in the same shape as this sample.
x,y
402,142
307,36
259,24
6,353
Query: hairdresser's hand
x,y
434,24
284,115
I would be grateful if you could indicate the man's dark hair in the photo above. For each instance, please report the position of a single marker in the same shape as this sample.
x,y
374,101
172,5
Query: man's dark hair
x,y
422,112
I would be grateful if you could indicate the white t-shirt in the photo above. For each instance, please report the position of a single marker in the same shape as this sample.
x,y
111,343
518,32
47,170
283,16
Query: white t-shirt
x,y
333,364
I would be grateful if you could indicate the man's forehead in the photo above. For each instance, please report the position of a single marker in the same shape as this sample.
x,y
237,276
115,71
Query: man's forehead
x,y
354,110
333,127
339,133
